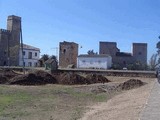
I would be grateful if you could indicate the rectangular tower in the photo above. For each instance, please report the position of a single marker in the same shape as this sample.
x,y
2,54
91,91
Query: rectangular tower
x,y
10,42
14,25
140,52
5,36
109,48
68,53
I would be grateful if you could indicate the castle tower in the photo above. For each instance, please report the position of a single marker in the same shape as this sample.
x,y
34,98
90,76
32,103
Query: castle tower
x,y
14,26
109,48
140,52
5,36
68,53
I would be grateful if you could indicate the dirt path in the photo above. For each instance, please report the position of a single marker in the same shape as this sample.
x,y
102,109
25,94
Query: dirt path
x,y
125,106
152,109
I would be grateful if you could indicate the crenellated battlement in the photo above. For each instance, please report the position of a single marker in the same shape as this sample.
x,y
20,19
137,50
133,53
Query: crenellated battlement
x,y
4,31
14,17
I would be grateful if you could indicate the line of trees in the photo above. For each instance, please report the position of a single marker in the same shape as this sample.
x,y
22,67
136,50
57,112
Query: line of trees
x,y
155,58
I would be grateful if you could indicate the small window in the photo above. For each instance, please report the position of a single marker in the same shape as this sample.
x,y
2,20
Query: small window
x,y
35,54
83,61
5,52
30,64
30,55
99,62
91,62
140,53
4,63
64,51
35,64
24,53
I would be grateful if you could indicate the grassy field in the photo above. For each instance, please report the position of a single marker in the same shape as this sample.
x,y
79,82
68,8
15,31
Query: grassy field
x,y
49,102
54,102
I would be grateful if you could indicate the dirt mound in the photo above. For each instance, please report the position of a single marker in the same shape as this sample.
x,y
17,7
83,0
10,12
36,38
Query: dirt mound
x,y
94,78
8,73
5,75
130,84
35,78
71,79
3,79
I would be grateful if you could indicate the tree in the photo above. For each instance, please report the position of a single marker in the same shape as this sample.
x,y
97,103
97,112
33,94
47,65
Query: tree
x,y
137,66
45,57
153,61
54,57
91,52
158,51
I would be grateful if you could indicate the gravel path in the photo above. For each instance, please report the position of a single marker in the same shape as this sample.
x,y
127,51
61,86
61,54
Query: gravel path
x,y
152,109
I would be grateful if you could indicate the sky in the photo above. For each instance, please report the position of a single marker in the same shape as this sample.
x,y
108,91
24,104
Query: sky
x,y
45,23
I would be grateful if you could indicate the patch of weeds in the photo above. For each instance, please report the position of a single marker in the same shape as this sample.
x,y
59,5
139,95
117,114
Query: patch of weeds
x,y
101,97
12,98
16,114
77,113
21,96
3,87
83,95
5,100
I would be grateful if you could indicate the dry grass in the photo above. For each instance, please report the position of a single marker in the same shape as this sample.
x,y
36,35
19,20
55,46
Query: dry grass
x,y
45,102
52,102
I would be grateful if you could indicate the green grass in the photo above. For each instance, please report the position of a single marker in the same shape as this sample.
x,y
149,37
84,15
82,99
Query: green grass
x,y
7,99
86,95
20,101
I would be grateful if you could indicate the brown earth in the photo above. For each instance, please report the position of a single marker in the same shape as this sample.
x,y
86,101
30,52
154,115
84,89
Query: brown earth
x,y
51,101
125,106
130,84
72,79
6,75
41,77
94,78
35,78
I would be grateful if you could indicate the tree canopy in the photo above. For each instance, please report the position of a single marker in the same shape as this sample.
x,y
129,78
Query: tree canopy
x,y
91,52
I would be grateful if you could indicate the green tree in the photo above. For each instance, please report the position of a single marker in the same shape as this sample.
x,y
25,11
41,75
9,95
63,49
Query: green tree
x,y
53,57
158,52
45,57
137,66
153,61
158,47
91,52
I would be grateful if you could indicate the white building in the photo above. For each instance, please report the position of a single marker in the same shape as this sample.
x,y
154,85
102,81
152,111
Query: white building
x,y
94,61
31,56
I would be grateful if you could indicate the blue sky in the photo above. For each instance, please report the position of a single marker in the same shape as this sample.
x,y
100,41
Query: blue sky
x,y
47,22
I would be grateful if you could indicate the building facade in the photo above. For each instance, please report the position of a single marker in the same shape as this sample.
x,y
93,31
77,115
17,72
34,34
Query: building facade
x,y
10,42
94,61
31,56
138,54
68,52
